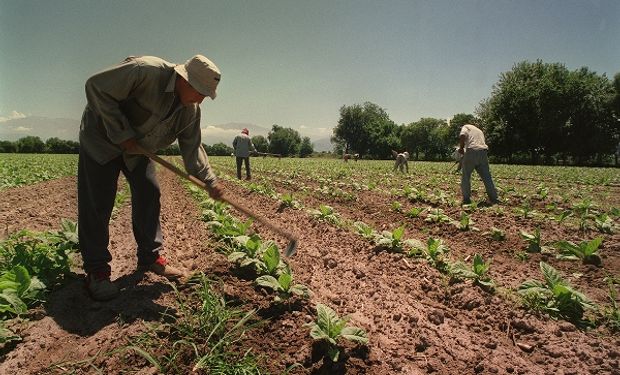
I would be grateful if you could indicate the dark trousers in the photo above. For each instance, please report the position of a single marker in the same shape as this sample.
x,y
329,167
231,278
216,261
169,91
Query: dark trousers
x,y
97,185
240,160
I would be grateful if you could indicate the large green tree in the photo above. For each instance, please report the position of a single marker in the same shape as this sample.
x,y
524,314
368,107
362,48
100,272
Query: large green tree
x,y
283,141
542,109
427,136
305,148
30,145
261,143
366,129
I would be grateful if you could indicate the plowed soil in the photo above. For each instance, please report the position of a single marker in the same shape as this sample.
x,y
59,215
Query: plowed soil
x,y
417,322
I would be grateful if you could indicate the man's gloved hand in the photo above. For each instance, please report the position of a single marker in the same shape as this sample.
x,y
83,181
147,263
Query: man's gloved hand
x,y
130,146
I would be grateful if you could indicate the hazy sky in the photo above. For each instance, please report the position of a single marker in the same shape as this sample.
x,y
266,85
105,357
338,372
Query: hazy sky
x,y
295,63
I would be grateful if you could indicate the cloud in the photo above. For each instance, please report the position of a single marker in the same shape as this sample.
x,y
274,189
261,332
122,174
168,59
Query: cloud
x,y
14,115
22,129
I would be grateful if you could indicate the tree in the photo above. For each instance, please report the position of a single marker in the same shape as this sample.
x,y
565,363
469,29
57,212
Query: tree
x,y
58,146
283,141
365,129
592,131
260,143
428,135
220,149
8,147
544,109
457,122
30,145
306,147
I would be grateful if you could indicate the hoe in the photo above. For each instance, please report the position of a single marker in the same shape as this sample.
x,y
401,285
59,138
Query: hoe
x,y
292,245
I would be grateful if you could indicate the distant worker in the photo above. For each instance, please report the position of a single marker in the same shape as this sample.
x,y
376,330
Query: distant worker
x,y
401,161
474,150
141,103
347,157
243,146
458,159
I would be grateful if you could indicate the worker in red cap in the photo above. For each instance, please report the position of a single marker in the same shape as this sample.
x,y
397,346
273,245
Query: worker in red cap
x,y
243,146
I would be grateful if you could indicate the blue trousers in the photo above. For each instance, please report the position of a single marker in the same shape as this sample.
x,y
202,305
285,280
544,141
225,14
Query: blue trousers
x,y
97,185
478,160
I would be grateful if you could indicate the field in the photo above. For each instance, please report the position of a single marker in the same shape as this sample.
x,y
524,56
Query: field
x,y
435,287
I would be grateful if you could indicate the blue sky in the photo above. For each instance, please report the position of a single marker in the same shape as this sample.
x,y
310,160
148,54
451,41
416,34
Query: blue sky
x,y
295,63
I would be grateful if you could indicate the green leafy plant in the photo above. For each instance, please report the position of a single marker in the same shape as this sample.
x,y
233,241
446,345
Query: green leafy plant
x,y
586,251
435,253
612,314
562,216
264,257
436,215
414,212
465,223
283,285
604,223
534,242
326,213
554,296
542,192
330,328
496,234
396,206
287,200
364,229
18,290
228,228
394,241
477,272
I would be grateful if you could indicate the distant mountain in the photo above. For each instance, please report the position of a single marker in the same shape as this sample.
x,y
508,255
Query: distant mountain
x,y
323,144
42,127
68,129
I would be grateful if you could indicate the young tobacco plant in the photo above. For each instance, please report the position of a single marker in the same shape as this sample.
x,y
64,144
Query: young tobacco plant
x,y
330,328
465,223
496,234
263,257
326,213
364,230
435,253
586,251
612,314
18,290
283,285
287,200
604,223
477,272
554,296
534,243
394,241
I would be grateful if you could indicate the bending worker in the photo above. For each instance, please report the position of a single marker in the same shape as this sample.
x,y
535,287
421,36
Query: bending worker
x,y
139,103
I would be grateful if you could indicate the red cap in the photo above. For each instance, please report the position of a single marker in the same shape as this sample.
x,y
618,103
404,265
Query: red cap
x,y
245,130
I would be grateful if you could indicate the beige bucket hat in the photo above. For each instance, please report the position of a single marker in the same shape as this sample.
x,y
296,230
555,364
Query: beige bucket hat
x,y
201,73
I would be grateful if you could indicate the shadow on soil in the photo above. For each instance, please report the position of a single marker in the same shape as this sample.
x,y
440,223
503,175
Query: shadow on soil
x,y
76,312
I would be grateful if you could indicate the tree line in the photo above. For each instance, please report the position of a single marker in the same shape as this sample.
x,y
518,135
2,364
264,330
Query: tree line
x,y
280,140
537,113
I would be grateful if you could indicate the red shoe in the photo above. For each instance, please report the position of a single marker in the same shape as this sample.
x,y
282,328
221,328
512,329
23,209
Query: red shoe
x,y
162,268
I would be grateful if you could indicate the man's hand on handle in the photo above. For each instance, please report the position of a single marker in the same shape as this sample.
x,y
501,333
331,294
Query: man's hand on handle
x,y
215,192
131,146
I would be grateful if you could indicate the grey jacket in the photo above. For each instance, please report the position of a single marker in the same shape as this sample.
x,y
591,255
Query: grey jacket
x,y
243,145
136,99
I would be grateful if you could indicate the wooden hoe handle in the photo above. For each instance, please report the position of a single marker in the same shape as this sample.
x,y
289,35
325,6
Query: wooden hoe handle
x,y
292,246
